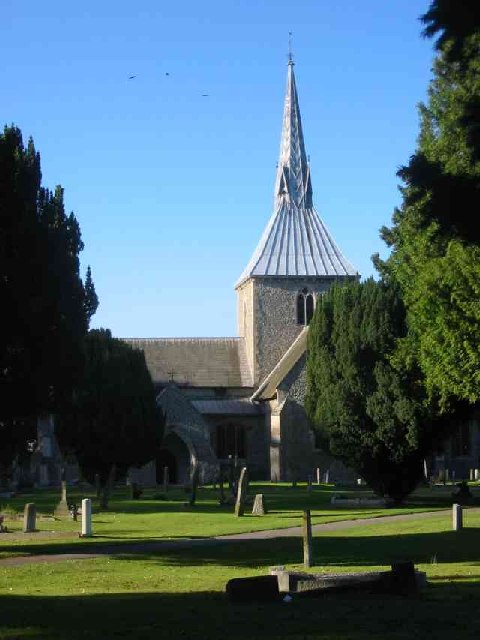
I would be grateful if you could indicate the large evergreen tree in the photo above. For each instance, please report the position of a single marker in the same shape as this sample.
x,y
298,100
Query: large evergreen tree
x,y
112,421
435,237
45,306
368,413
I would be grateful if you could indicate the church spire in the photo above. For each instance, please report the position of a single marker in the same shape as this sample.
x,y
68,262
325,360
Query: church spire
x,y
295,242
293,173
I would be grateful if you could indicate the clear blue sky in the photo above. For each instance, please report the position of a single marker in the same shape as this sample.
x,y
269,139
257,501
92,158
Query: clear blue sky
x,y
172,190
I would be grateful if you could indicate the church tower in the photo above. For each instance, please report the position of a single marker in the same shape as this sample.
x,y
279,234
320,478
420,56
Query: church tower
x,y
295,261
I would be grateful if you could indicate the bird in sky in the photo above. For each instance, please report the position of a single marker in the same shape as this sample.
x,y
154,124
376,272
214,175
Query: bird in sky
x,y
166,73
131,77
204,95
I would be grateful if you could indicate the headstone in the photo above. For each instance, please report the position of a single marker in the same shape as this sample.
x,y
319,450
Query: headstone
x,y
259,506
447,474
327,476
425,469
476,474
29,518
471,475
166,479
309,483
231,473
221,499
457,517
403,578
241,492
194,484
62,507
307,539
318,475
254,589
98,487
453,475
86,518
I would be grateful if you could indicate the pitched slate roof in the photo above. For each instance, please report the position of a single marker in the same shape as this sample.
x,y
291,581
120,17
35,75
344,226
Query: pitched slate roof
x,y
227,407
295,241
196,362
268,387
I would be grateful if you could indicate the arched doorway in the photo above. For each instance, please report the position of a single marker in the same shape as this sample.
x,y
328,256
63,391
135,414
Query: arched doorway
x,y
175,455
166,458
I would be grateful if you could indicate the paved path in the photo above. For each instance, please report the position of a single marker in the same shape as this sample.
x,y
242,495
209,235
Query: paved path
x,y
96,551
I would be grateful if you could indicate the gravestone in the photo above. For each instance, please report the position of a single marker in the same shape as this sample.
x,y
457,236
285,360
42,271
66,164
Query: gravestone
x,y
98,486
86,518
241,492
29,518
254,589
166,479
221,500
62,507
327,476
231,474
307,539
457,517
259,506
319,475
194,484
476,474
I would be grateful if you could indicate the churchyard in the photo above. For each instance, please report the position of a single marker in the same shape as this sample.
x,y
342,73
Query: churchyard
x,y
148,592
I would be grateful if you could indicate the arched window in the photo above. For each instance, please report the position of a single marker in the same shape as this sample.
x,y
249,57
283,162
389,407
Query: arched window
x,y
300,309
309,306
305,307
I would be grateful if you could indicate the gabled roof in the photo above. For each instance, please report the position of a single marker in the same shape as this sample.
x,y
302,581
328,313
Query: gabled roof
x,y
179,411
269,386
295,241
196,362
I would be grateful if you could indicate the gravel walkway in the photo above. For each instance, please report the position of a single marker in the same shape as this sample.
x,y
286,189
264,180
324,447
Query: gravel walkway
x,y
167,545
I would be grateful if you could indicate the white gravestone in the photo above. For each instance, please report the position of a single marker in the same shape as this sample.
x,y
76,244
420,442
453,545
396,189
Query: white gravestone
x,y
86,518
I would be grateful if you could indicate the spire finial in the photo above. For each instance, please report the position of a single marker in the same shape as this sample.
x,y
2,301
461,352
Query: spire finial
x,y
290,54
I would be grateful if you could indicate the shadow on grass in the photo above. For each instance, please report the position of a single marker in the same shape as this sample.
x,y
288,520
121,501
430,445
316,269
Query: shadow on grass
x,y
332,550
443,611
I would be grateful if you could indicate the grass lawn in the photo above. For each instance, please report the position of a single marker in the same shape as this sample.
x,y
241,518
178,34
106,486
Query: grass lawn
x,y
154,519
180,593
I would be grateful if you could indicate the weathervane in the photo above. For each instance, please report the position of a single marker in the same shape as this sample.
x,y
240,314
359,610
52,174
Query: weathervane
x,y
290,55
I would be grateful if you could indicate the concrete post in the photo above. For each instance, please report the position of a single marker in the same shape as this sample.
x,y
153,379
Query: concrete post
x,y
318,475
307,539
86,518
457,517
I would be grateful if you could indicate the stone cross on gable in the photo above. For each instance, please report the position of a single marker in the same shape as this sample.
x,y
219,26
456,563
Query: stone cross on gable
x,y
172,374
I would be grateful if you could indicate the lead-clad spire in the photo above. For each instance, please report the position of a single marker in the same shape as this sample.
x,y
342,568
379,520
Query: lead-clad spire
x,y
293,174
295,241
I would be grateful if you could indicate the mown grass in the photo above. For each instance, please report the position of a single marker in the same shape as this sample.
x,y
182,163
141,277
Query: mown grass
x,y
180,593
154,519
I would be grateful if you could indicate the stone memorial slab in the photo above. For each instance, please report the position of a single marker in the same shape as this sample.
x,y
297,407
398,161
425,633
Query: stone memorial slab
x,y
254,589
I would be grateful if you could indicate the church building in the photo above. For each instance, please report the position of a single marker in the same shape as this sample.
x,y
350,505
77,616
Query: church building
x,y
243,396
